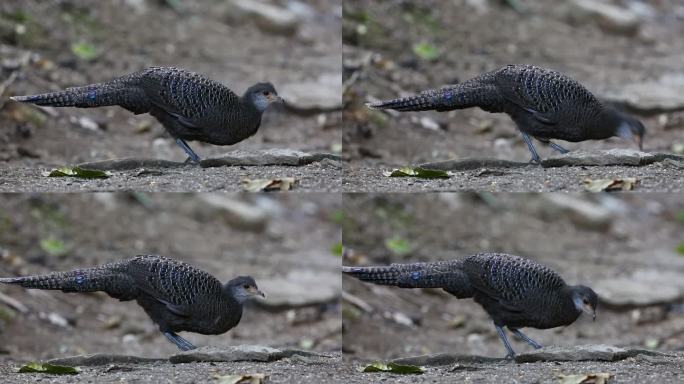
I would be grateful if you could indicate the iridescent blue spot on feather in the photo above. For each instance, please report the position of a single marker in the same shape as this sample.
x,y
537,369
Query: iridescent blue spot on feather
x,y
92,95
80,279
415,275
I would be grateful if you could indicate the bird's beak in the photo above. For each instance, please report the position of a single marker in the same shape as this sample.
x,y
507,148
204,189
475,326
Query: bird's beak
x,y
639,140
256,292
276,99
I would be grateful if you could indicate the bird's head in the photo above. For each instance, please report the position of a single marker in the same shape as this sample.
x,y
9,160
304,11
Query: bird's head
x,y
630,128
243,288
585,300
261,95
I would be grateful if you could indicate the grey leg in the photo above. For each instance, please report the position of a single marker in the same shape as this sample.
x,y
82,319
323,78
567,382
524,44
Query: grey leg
x,y
180,342
191,154
524,337
530,146
502,336
557,147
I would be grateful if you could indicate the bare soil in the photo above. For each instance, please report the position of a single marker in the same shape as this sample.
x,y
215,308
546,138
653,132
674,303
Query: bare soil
x,y
379,63
201,36
642,230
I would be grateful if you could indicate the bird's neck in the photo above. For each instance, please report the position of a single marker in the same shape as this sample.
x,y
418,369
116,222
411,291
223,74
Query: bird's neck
x,y
605,125
568,310
250,116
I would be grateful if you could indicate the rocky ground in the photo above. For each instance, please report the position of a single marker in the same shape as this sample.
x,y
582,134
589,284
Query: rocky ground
x,y
628,248
51,45
629,55
286,244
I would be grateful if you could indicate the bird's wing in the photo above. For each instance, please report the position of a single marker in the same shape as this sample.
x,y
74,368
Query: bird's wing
x,y
188,97
172,283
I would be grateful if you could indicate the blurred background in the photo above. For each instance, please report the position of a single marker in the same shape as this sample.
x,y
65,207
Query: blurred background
x,y
48,45
627,52
628,248
291,245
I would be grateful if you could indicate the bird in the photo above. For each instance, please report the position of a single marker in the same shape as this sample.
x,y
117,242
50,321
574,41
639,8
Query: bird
x,y
176,296
189,105
514,291
543,103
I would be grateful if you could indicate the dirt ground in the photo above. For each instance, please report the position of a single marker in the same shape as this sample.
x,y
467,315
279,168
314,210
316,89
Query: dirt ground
x,y
380,63
272,238
203,36
641,233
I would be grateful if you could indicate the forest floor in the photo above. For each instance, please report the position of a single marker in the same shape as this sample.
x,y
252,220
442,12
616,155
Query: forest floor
x,y
64,44
393,49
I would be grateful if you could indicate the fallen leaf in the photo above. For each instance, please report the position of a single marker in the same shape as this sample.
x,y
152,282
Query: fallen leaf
x,y
425,51
84,51
258,185
680,249
418,172
336,249
53,247
590,378
34,367
379,366
599,185
398,246
254,378
78,172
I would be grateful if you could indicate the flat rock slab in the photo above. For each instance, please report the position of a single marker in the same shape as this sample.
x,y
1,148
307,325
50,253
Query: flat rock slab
x,y
439,359
266,157
600,352
294,290
239,353
472,163
263,157
130,163
644,287
323,94
606,157
662,95
102,359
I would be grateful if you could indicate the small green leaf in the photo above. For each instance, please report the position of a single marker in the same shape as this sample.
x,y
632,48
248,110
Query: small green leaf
x,y
34,367
379,366
680,249
84,51
78,172
425,51
418,172
398,246
336,249
53,247
680,216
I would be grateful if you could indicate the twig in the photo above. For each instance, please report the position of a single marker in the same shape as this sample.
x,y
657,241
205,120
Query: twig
x,y
346,296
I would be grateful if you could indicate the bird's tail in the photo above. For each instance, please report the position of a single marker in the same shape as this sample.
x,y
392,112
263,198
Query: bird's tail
x,y
114,282
123,91
478,92
440,274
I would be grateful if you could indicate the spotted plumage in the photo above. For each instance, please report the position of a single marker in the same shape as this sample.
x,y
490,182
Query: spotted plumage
x,y
514,291
176,296
189,105
543,103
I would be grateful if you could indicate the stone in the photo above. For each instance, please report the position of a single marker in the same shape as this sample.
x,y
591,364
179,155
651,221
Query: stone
x,y
615,156
239,353
266,157
101,359
129,163
439,359
293,290
642,288
581,212
469,164
268,17
322,94
237,213
599,352
665,94
610,18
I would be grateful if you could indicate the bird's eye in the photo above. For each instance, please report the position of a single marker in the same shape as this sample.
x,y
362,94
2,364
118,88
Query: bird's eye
x,y
245,286
265,93
586,302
